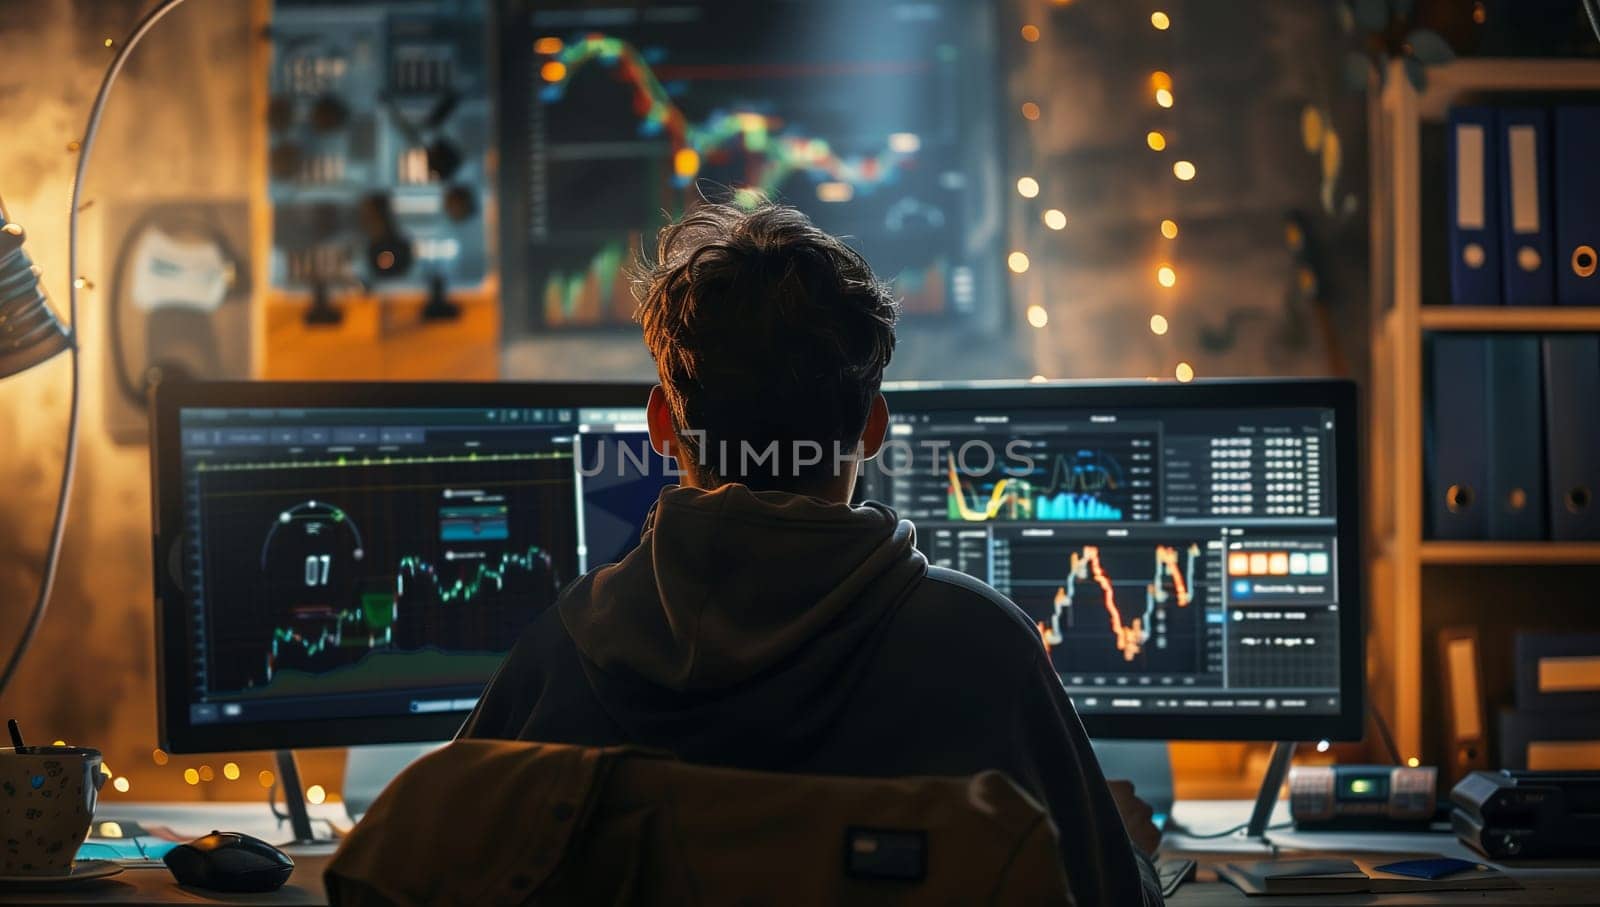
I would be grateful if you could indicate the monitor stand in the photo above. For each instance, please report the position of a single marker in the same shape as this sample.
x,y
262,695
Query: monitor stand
x,y
1255,831
369,769
294,799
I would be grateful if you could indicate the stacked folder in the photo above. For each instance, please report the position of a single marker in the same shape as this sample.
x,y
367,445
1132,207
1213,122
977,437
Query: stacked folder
x,y
1524,205
1555,725
1512,439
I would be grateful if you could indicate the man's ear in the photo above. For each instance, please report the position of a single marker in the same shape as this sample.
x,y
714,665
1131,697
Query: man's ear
x,y
663,434
877,427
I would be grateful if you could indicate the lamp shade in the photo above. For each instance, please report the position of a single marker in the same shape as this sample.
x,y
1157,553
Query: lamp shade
x,y
29,330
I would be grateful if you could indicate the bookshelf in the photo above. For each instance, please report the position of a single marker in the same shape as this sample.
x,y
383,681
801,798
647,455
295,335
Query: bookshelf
x,y
1399,554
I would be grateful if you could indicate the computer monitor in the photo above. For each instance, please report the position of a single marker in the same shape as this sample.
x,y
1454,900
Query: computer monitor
x,y
341,564
879,119
1189,553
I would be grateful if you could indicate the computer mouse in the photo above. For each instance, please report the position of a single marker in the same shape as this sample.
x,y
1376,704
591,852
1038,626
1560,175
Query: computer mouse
x,y
229,861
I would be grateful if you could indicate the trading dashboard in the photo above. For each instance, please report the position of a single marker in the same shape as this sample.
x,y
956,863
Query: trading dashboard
x,y
357,562
866,115
1173,561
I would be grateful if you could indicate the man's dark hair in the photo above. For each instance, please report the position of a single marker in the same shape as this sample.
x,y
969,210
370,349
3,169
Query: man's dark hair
x,y
766,331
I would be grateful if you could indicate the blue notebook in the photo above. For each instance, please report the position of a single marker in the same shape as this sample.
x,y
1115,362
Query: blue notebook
x,y
1474,206
1572,434
1577,205
1527,277
1515,492
1456,439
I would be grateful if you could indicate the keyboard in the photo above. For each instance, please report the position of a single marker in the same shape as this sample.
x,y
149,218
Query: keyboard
x,y
1173,871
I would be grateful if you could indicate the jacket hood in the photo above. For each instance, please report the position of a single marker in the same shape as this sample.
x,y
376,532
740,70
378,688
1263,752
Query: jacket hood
x,y
746,613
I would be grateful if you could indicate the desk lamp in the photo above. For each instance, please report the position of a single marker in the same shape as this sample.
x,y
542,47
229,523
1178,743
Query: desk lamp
x,y
31,334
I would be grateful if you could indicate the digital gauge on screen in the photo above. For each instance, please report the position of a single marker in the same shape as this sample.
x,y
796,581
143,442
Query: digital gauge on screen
x,y
311,558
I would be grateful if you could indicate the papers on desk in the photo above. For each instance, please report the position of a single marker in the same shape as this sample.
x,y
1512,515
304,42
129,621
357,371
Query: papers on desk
x,y
128,842
1360,875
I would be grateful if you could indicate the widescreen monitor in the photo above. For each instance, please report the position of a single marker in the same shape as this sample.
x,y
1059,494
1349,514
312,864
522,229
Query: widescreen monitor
x,y
1188,553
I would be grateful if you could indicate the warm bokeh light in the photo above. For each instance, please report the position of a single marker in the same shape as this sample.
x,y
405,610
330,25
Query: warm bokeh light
x,y
553,71
1030,110
686,162
1413,762
835,191
1164,97
230,770
1183,170
315,794
158,756
1055,218
1155,140
265,779
207,773
121,783
106,770
1323,746
1030,33
1169,229
1160,79
1038,379
1166,276
549,44
1158,324
1028,187
1037,316
1184,372
1160,20
58,743
190,776
1017,262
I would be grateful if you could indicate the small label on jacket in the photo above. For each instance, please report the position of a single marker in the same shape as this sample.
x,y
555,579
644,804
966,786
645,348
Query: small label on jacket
x,y
885,854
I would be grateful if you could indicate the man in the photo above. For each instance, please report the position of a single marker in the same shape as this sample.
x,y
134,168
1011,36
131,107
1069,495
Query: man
x,y
763,622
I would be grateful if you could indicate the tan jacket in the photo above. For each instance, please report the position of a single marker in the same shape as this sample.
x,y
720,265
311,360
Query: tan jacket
x,y
494,822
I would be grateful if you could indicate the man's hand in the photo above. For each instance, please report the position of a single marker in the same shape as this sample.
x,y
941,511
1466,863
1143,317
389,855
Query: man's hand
x,y
1136,815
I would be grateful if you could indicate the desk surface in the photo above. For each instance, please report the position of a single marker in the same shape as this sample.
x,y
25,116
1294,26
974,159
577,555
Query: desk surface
x,y
1543,882
154,884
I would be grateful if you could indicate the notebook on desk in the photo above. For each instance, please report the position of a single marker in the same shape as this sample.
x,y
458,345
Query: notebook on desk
x,y
1383,874
1294,876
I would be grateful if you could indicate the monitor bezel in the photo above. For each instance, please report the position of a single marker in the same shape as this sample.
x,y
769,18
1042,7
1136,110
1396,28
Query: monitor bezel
x,y
1341,396
176,732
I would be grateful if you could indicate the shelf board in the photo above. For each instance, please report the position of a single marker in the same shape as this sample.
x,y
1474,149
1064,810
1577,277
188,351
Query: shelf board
x,y
1510,553
1447,81
1510,318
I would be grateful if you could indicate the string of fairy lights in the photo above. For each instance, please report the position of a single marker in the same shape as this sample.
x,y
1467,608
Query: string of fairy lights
x,y
1166,275
203,773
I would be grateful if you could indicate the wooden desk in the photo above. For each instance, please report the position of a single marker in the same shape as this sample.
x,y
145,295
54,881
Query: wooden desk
x,y
1544,882
155,885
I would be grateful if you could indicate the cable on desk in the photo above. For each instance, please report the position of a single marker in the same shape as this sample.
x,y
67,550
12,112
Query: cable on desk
x,y
1227,831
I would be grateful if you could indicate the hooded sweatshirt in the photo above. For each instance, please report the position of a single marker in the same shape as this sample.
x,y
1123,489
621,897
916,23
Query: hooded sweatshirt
x,y
778,632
